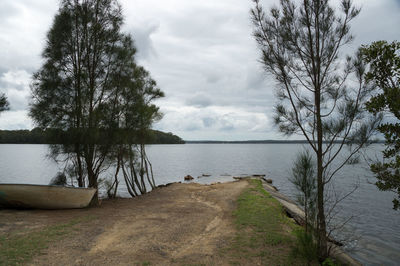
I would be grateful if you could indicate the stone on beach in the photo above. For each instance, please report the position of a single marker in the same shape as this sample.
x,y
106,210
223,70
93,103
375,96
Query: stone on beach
x,y
188,177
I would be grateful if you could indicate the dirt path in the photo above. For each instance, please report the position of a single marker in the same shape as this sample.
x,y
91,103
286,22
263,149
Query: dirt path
x,y
178,224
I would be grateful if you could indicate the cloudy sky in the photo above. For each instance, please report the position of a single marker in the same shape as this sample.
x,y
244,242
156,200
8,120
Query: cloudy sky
x,y
201,53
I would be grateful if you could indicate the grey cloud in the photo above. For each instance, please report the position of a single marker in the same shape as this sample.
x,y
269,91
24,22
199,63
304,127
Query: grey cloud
x,y
185,46
15,84
199,100
18,102
378,20
208,121
143,41
203,29
192,127
220,123
8,9
256,78
3,70
196,121
211,47
228,122
227,126
6,85
212,77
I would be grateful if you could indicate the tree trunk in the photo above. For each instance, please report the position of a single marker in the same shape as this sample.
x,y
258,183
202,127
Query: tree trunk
x,y
142,170
114,186
129,183
81,182
148,165
322,242
116,176
92,177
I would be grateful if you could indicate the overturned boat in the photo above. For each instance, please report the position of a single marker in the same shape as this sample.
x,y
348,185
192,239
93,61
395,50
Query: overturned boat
x,y
24,196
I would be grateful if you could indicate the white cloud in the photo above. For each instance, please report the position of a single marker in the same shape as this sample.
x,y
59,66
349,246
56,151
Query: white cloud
x,y
14,120
15,84
207,122
22,34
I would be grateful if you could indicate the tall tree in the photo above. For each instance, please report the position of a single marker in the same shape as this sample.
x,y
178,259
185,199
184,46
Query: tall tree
x,y
88,62
384,61
300,46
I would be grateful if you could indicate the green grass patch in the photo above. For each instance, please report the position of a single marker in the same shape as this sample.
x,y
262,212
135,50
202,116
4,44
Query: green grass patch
x,y
265,235
21,247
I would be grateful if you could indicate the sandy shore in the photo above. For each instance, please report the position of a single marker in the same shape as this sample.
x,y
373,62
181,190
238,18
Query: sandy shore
x,y
178,224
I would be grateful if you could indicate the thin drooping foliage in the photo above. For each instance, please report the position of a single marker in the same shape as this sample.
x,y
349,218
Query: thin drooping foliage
x,y
90,87
305,181
300,43
384,71
137,115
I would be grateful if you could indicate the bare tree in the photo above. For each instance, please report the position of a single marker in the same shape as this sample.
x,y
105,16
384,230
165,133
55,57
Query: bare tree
x,y
300,46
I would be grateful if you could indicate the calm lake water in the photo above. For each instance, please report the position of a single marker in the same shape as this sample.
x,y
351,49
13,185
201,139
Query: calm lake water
x,y
376,227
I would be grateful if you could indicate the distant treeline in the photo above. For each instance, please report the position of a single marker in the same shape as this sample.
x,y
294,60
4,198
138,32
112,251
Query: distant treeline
x,y
258,142
53,136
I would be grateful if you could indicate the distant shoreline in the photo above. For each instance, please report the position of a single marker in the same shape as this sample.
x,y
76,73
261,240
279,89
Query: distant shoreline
x,y
57,136
259,142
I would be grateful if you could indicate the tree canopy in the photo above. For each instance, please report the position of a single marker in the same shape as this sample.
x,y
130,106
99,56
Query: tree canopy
x,y
91,86
384,71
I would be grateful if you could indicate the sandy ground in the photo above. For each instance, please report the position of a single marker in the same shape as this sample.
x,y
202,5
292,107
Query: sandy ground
x,y
182,224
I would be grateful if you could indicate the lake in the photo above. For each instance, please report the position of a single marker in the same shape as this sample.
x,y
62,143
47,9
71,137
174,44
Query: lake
x,y
375,226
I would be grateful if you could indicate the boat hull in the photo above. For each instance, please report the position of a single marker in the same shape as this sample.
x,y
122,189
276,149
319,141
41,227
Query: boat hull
x,y
44,197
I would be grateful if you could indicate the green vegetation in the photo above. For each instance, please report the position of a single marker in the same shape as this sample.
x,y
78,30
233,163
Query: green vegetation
x,y
20,247
384,62
265,234
304,180
49,136
92,90
306,246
